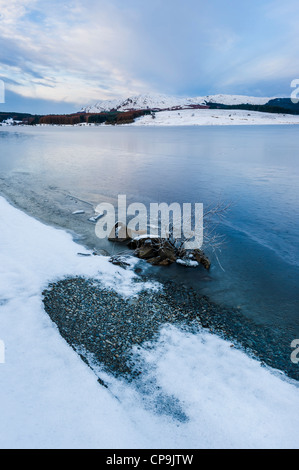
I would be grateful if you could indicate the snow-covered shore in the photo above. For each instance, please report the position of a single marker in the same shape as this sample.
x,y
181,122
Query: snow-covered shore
x,y
49,398
214,117
195,117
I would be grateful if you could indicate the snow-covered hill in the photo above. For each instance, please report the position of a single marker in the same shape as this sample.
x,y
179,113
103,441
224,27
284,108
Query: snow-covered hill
x,y
148,101
158,101
236,99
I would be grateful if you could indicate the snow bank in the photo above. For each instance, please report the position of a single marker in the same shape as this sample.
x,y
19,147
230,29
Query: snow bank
x,y
231,400
214,117
50,399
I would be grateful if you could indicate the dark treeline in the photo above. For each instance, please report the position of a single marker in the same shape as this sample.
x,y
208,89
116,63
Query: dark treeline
x,y
116,117
23,118
63,119
112,117
277,106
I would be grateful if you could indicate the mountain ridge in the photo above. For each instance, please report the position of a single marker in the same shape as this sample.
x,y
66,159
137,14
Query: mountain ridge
x,y
164,102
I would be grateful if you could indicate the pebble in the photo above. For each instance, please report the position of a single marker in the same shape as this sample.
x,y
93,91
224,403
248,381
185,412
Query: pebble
x,y
99,321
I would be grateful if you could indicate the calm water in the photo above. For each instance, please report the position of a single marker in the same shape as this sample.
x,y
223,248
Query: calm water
x,y
254,168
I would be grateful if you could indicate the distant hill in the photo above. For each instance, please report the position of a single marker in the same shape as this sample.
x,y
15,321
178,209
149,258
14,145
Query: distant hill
x,y
285,103
125,111
164,102
157,102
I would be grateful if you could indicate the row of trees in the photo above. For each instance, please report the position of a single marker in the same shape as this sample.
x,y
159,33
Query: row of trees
x,y
112,117
281,106
116,117
20,117
265,108
68,119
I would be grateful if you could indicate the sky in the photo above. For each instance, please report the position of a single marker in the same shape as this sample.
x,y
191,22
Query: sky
x,y
57,56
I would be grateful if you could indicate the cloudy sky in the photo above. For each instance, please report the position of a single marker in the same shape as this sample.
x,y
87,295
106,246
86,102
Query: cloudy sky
x,y
56,56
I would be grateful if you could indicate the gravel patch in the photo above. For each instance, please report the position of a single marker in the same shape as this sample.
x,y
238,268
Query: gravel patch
x,y
97,321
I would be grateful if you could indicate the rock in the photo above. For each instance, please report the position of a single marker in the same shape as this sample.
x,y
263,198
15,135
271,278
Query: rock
x,y
133,244
145,252
156,251
119,233
119,261
155,261
148,242
201,258
158,261
168,252
142,240
165,262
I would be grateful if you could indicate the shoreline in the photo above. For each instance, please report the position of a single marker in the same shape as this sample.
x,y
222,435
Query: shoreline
x,y
190,117
100,323
258,341
190,375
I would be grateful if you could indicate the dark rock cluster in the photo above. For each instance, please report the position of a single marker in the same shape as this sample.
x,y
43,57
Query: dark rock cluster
x,y
158,251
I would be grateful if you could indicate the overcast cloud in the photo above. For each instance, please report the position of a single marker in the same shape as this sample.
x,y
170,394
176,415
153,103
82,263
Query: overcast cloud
x,y
63,55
